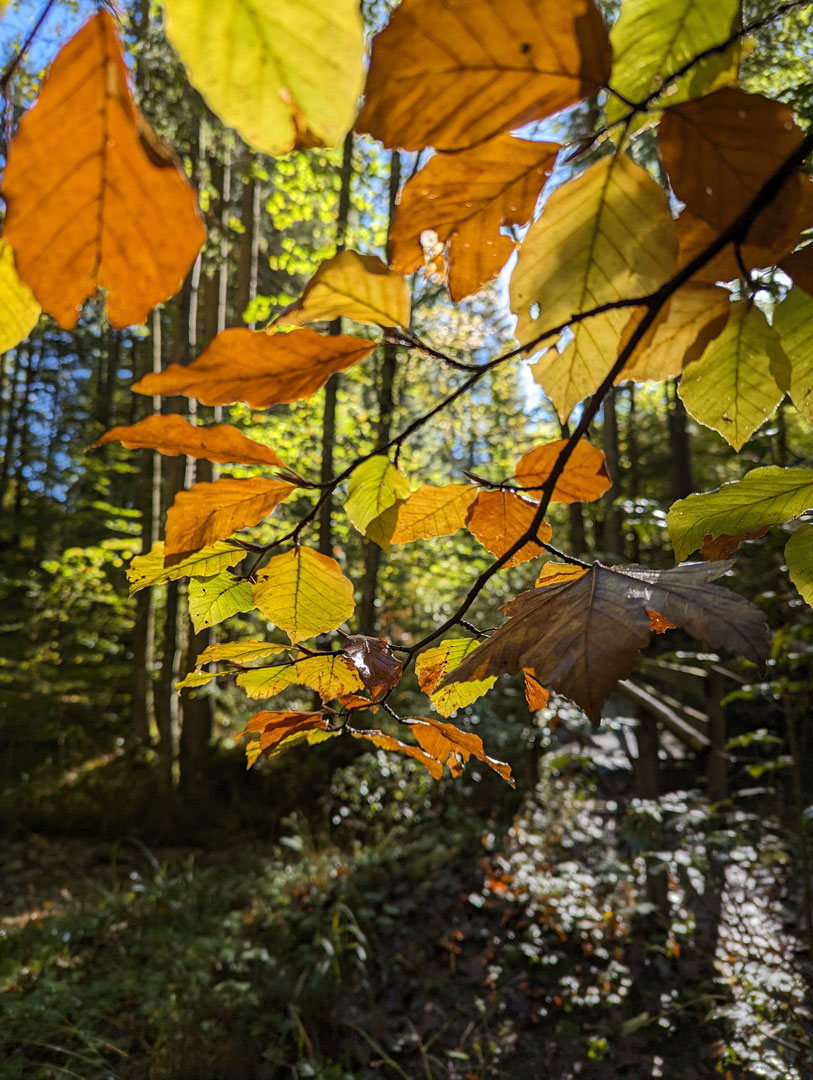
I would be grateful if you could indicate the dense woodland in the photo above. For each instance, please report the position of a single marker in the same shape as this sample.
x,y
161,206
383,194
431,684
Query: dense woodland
x,y
638,906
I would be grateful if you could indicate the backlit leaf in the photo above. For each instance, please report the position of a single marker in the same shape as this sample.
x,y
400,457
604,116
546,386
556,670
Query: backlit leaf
x,y
799,267
197,678
94,199
304,593
720,547
373,488
605,236
266,682
499,518
740,378
453,75
258,368
239,652
433,511
799,557
453,747
581,636
377,667
330,676
255,64
275,728
434,663
464,199
766,496
554,573
388,742
352,286
148,569
653,39
536,695
171,435
793,322
19,309
213,599
213,511
583,480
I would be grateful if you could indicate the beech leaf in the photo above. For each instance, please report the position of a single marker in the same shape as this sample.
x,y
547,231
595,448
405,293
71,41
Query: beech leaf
x,y
799,557
389,742
149,569
453,747
793,322
584,477
434,663
172,435
373,658
19,310
213,599
352,286
373,488
239,652
304,593
433,511
499,518
274,732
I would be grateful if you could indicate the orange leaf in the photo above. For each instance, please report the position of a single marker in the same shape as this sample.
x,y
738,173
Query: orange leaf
x,y
535,693
720,547
464,199
173,435
583,480
554,573
275,727
373,659
454,747
499,518
433,511
658,624
453,75
209,512
388,742
94,200
258,368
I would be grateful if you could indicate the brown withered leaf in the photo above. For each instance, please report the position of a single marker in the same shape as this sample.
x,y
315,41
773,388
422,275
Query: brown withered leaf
x,y
581,636
464,199
94,199
433,511
373,658
453,75
499,518
720,547
352,286
172,435
535,694
799,267
584,477
258,368
389,742
720,149
213,511
453,747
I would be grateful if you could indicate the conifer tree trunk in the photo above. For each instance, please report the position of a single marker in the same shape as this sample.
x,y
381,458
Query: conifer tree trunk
x,y
680,453
612,540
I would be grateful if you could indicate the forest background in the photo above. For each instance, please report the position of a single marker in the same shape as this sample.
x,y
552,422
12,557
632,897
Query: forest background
x,y
634,908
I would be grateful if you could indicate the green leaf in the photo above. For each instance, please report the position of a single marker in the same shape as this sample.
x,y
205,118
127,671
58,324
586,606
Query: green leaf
x,y
653,39
374,487
287,75
793,322
213,599
799,557
740,378
266,682
148,569
767,496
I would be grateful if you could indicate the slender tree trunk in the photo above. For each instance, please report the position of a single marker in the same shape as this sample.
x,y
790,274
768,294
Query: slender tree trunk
x,y
634,471
12,419
24,431
680,453
612,540
578,537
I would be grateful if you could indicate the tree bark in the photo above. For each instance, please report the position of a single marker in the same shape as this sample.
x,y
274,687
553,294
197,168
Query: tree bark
x,y
612,539
680,451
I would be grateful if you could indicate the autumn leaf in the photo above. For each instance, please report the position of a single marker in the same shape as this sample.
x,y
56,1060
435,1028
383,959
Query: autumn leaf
x,y
172,435
240,652
373,659
465,199
766,496
581,636
304,593
720,150
258,368
453,747
19,311
536,695
213,599
434,663
433,511
799,557
584,478
94,200
148,569
740,378
195,679
554,573
499,518
254,64
373,488
603,237
274,728
389,742
330,676
266,682
799,267
352,286
213,511
793,322
453,75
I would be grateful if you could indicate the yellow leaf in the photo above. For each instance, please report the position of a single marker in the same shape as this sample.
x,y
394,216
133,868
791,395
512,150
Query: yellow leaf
x,y
197,678
213,599
793,322
148,569
94,199
213,511
239,652
434,663
799,557
603,237
740,378
554,573
464,199
352,286
499,518
373,488
172,435
304,593
455,74
265,682
287,75
433,511
584,478
330,676
19,309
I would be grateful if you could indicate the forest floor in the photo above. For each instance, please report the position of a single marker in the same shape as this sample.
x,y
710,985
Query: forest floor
x,y
420,936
